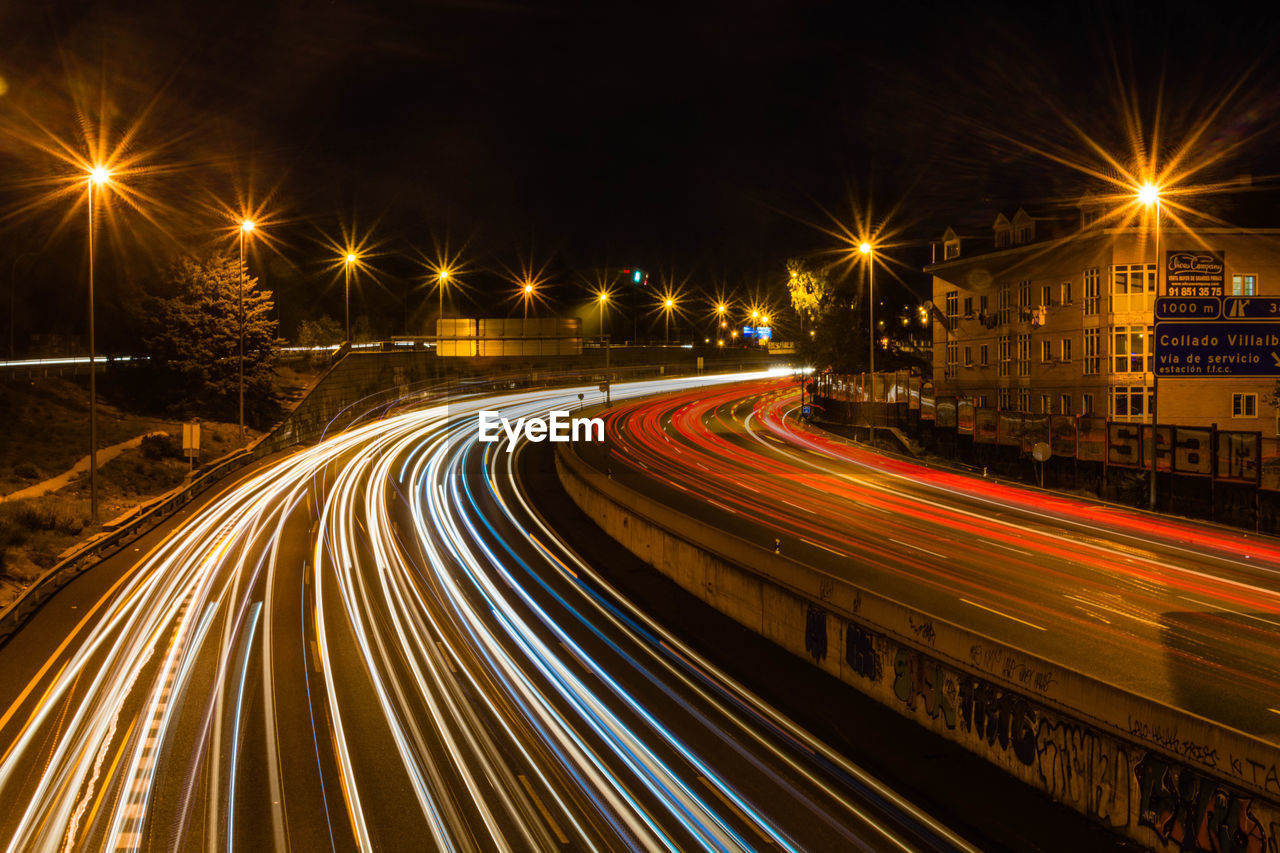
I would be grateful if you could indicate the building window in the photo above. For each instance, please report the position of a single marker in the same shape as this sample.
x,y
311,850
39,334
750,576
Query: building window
x,y
1131,349
1091,291
1024,294
1005,355
980,401
1086,404
982,304
1046,295
1064,404
1046,350
1004,304
1066,293
1244,405
1046,404
1244,284
968,356
1092,359
1002,401
983,359
1066,349
952,308
968,306
1130,402
952,352
1133,286
1024,400
1024,356
1002,237
950,249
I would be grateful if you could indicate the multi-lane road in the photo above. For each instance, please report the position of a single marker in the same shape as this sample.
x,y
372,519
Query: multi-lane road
x,y
377,643
1185,613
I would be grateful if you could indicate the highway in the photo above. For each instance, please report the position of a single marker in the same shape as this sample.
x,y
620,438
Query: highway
x,y
1182,612
377,643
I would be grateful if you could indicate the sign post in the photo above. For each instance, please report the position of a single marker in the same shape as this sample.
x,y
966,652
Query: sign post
x,y
191,443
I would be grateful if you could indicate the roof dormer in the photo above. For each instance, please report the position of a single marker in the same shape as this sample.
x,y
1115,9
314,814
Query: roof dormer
x,y
1024,227
1003,231
950,244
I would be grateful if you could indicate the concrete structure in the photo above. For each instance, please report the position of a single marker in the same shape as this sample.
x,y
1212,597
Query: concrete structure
x,y
1054,315
1160,776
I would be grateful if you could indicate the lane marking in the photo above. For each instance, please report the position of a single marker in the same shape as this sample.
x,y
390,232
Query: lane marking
x,y
1001,613
918,548
1008,548
546,815
315,657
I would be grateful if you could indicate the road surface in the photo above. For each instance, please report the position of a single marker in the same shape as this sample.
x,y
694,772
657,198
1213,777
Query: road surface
x,y
1181,612
375,643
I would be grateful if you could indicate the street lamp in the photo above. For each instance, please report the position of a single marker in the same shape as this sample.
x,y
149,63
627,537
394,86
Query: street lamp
x,y
348,262
442,278
602,297
1149,196
246,228
868,250
99,176
527,292
667,305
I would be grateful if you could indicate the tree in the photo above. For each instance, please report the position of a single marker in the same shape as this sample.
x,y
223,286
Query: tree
x,y
808,289
192,339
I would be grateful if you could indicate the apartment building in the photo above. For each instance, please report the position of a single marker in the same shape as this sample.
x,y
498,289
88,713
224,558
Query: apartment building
x,y
1053,313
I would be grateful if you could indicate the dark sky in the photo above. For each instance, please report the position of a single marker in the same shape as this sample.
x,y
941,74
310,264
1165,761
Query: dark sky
x,y
703,139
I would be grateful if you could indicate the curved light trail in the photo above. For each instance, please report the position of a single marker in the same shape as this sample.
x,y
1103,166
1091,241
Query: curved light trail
x,y
376,643
1194,607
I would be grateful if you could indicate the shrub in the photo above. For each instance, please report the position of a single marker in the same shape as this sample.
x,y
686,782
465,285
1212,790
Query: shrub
x,y
161,447
26,471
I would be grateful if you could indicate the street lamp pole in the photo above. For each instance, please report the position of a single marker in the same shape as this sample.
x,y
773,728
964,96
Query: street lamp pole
x,y
1151,195
245,227
868,250
349,260
96,177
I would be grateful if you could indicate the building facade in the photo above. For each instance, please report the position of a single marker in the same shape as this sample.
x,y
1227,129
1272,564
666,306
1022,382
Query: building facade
x,y
1061,322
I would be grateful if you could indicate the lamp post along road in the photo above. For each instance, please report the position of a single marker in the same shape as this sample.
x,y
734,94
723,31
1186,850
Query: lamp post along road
x,y
1149,195
97,177
245,227
348,261
868,250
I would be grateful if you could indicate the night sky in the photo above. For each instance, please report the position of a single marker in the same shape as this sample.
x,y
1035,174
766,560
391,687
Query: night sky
x,y
701,141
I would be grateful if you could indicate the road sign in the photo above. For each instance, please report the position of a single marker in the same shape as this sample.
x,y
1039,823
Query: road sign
x,y
1188,308
1218,348
1251,308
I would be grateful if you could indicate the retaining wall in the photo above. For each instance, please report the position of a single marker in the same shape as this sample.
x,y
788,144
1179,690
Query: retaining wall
x,y
1163,777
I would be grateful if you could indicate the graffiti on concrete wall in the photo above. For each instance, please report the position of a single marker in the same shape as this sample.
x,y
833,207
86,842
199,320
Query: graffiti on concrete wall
x,y
917,679
1078,766
815,632
1194,812
862,652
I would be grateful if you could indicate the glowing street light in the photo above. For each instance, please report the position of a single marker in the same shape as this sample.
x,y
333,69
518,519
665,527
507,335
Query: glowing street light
x,y
99,176
1149,196
867,249
525,293
602,298
349,262
246,228
442,279
667,306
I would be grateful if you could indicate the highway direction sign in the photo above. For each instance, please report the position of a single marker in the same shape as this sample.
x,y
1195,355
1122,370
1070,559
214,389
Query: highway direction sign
x,y
1218,348
1188,308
